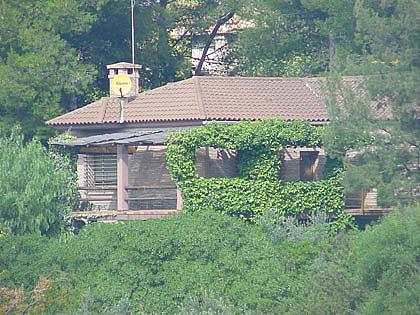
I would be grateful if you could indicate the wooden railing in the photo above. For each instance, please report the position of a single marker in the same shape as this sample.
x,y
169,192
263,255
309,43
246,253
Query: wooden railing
x,y
147,197
364,203
152,197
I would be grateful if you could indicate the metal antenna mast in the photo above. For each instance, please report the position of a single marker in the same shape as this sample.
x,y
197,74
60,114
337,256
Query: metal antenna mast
x,y
133,3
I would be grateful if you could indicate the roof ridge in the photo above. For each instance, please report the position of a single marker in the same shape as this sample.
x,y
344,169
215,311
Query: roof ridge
x,y
306,83
199,97
102,112
82,108
213,77
160,88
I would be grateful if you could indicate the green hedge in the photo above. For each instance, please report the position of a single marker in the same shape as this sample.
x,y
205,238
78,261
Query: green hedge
x,y
258,188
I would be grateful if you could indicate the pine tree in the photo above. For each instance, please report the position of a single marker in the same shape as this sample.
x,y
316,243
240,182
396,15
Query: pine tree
x,y
382,125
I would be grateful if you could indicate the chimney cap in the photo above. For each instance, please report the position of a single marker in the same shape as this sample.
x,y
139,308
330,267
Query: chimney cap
x,y
123,65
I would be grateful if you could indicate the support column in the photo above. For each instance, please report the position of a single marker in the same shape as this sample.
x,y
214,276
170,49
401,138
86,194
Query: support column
x,y
122,177
179,201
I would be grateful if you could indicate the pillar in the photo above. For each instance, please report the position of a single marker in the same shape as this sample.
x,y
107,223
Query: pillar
x,y
122,177
179,200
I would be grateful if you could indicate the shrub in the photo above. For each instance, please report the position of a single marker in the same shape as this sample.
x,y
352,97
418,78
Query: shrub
x,y
37,187
370,272
163,266
210,263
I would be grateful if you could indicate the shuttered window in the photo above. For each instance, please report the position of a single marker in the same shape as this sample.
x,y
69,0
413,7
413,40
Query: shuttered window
x,y
101,169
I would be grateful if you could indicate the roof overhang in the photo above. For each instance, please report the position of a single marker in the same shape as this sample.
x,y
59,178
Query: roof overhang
x,y
120,138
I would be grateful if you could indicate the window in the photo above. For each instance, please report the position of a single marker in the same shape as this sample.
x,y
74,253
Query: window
x,y
101,169
213,162
307,165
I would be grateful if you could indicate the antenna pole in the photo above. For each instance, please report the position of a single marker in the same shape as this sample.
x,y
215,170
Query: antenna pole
x,y
133,3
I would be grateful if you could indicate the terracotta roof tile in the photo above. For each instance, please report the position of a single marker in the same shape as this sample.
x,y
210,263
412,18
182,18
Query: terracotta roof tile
x,y
211,98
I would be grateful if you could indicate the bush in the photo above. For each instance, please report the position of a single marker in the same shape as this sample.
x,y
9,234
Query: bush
x,y
370,272
163,266
210,263
37,187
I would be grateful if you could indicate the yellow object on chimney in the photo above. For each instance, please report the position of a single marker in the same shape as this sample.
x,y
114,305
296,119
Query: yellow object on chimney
x,y
121,84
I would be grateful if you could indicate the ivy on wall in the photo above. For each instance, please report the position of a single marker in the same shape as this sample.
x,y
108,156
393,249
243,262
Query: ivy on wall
x,y
258,187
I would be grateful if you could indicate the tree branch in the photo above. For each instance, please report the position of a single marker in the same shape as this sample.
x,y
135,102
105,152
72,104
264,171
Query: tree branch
x,y
180,38
222,20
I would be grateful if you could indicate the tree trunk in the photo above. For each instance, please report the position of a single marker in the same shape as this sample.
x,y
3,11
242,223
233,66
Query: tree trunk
x,y
331,51
222,20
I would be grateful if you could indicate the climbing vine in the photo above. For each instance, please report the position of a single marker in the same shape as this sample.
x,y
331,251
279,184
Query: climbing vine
x,y
258,187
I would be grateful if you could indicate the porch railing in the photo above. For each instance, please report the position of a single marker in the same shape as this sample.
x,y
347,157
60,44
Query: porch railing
x,y
146,197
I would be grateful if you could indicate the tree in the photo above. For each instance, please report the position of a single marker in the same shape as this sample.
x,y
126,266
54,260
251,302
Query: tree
x,y
37,187
222,20
383,124
294,38
54,53
41,74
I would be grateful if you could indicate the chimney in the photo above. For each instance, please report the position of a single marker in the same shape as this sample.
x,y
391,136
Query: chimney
x,y
124,79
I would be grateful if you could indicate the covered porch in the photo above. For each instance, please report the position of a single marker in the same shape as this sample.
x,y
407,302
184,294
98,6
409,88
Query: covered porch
x,y
123,176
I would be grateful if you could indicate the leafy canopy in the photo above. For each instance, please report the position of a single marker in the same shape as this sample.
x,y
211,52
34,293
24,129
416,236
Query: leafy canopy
x,y
37,187
382,125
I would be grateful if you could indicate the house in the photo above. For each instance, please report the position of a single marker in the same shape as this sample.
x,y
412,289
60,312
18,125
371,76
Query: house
x,y
215,62
216,58
121,151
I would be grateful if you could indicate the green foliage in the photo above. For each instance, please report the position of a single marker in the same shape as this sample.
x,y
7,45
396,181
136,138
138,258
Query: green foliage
x,y
41,73
258,188
37,187
249,199
205,305
259,163
293,38
369,272
210,263
267,137
386,116
315,228
162,266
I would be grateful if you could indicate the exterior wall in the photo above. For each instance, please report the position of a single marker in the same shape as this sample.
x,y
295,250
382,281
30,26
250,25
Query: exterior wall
x,y
95,198
362,200
211,162
215,63
81,171
150,184
290,168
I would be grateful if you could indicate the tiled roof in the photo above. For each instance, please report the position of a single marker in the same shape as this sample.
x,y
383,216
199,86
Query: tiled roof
x,y
211,98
